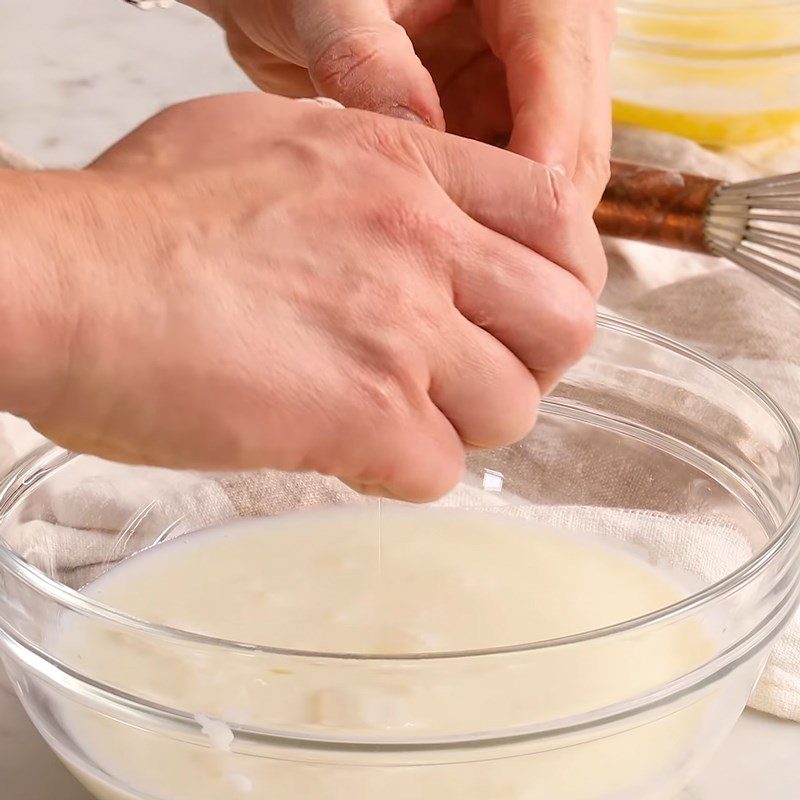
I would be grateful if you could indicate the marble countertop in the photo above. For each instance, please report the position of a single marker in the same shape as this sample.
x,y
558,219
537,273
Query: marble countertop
x,y
759,760
74,76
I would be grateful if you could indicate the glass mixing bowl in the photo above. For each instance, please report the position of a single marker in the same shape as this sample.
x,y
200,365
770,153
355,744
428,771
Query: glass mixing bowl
x,y
721,72
645,441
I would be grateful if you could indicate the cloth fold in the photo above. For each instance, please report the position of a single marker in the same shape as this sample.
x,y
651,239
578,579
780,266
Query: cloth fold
x,y
703,301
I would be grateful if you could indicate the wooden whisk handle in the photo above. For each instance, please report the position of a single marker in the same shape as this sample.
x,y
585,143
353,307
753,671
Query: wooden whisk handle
x,y
662,207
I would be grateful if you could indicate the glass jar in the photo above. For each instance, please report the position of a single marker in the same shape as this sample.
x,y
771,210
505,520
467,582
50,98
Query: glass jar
x,y
721,72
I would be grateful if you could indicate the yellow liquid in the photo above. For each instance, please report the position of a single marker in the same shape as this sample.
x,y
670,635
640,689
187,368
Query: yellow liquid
x,y
711,129
716,25
717,75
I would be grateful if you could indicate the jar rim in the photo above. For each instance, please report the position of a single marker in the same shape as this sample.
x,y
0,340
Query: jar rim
x,y
677,37
700,7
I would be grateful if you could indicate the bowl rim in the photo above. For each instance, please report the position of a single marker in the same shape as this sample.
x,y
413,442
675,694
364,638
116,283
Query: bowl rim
x,y
785,534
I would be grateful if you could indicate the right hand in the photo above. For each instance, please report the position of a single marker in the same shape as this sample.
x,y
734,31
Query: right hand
x,y
259,282
533,73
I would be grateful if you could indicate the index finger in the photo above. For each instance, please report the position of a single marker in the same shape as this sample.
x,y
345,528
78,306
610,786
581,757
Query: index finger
x,y
555,53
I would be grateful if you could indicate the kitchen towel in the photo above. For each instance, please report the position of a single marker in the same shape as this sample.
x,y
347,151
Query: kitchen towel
x,y
703,301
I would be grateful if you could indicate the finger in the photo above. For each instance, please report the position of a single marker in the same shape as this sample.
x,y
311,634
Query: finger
x,y
488,394
540,312
270,72
519,199
418,461
546,46
544,52
594,151
359,55
371,422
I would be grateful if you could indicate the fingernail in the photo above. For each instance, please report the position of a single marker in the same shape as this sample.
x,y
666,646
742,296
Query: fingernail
x,y
325,102
403,112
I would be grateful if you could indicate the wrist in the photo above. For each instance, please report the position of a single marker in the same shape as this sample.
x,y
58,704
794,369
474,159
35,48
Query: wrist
x,y
45,234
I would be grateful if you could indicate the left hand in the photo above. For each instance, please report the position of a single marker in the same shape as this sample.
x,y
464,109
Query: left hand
x,y
536,70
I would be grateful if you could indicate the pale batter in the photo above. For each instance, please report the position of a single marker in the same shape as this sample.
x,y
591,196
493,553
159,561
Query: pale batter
x,y
446,581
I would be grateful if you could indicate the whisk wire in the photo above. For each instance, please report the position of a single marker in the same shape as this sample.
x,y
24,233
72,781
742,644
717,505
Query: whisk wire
x,y
765,184
786,284
756,224
773,243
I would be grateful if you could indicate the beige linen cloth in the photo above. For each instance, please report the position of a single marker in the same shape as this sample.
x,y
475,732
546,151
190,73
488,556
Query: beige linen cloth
x,y
707,303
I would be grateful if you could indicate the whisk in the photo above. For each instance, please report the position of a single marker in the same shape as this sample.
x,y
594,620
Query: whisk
x,y
755,224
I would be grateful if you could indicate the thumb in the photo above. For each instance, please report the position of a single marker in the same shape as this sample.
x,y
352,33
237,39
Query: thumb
x,y
357,54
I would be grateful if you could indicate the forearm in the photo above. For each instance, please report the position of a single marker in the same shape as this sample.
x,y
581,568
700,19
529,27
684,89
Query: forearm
x,y
42,223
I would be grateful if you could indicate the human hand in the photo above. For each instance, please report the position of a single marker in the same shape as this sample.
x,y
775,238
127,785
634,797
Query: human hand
x,y
256,282
535,69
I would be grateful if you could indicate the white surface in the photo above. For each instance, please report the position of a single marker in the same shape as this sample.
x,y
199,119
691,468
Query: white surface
x,y
77,74
74,76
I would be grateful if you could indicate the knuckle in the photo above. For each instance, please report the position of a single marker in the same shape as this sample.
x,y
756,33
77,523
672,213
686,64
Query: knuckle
x,y
521,399
380,397
528,52
387,138
560,199
302,154
566,43
410,223
577,326
394,382
400,222
594,264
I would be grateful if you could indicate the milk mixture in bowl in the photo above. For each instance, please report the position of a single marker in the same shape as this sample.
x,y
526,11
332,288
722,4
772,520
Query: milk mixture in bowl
x,y
419,636
584,618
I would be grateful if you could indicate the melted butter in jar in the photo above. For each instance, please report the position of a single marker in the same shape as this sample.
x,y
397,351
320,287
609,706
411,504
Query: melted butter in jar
x,y
720,72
